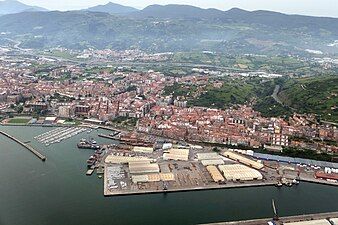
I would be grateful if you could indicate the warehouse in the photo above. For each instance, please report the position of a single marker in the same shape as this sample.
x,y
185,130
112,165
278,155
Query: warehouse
x,y
238,172
210,162
143,149
153,177
139,178
246,161
207,156
215,174
311,222
143,167
176,154
334,221
113,159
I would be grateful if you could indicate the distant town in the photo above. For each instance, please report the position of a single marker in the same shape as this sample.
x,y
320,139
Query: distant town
x,y
41,90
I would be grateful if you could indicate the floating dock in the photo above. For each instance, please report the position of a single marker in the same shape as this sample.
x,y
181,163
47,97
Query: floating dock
x,y
31,149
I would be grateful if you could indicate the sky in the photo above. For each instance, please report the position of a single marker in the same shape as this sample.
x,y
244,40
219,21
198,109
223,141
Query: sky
x,y
303,7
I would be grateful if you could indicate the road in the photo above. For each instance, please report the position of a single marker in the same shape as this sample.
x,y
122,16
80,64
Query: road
x,y
275,94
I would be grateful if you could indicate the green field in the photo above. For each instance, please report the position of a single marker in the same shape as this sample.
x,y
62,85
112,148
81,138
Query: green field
x,y
19,120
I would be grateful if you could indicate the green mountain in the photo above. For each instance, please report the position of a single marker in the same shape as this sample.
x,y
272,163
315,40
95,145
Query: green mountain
x,y
317,95
112,8
174,28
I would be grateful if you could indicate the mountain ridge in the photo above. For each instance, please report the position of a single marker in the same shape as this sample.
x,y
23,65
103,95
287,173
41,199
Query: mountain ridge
x,y
112,8
13,6
235,30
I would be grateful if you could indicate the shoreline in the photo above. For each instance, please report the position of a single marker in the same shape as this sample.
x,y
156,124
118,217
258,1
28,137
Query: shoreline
x,y
206,188
210,187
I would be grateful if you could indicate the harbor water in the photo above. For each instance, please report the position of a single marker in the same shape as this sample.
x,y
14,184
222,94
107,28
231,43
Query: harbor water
x,y
58,192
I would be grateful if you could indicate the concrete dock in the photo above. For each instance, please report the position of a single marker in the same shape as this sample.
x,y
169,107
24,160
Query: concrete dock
x,y
31,149
108,137
282,220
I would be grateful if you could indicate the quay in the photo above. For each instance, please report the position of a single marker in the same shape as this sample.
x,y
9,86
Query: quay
x,y
108,137
187,189
35,152
282,220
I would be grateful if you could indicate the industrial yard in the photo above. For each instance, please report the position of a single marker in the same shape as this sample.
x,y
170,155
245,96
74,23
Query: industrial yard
x,y
136,164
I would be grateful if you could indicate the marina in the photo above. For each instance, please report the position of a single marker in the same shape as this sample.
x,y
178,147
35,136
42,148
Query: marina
x,y
59,134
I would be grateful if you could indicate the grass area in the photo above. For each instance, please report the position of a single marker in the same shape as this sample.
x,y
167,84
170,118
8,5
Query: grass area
x,y
61,54
19,121
125,121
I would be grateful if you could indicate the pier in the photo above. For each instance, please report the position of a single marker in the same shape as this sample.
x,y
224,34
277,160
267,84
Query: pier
x,y
282,220
31,149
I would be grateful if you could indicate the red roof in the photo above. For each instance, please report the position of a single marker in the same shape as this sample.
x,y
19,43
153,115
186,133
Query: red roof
x,y
330,176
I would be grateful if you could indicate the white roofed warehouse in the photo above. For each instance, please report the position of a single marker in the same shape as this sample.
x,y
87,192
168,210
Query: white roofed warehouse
x,y
244,160
238,172
176,154
215,174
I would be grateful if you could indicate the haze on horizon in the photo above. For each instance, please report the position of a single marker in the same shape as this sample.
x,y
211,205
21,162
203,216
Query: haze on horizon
x,y
303,7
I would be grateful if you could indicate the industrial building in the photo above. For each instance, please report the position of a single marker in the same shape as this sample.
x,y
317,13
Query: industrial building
x,y
143,149
311,222
246,161
207,156
238,172
153,177
139,178
210,162
334,221
176,154
142,167
215,174
326,176
210,158
113,159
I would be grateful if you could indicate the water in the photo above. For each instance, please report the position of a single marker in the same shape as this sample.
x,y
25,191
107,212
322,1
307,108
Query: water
x,y
58,192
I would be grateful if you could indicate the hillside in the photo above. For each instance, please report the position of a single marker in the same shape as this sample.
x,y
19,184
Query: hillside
x,y
12,6
112,8
312,95
174,28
